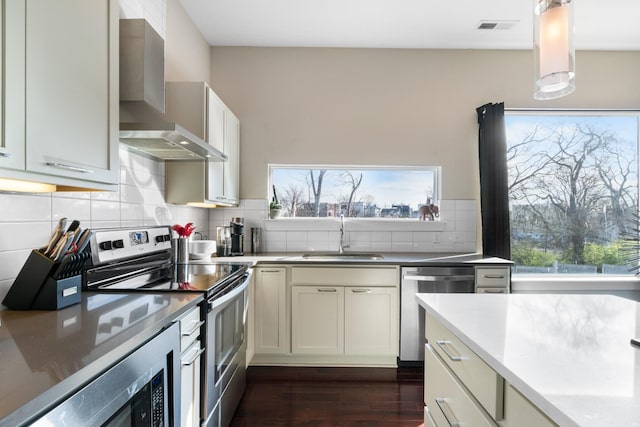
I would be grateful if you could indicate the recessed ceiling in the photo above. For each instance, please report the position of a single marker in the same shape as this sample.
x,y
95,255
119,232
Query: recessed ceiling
x,y
405,23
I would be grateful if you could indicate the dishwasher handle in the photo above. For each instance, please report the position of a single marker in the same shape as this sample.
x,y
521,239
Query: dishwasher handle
x,y
443,278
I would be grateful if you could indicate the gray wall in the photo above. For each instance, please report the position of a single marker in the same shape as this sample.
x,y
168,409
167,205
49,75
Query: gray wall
x,y
391,106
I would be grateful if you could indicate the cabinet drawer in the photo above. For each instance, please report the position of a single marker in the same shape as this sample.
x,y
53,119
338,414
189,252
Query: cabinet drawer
x,y
428,419
496,277
447,401
519,412
189,328
482,381
345,276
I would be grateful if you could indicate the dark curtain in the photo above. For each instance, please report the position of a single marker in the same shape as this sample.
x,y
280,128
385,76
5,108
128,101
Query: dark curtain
x,y
494,194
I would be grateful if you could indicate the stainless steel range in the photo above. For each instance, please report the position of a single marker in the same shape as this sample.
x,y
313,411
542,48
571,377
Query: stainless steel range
x,y
140,259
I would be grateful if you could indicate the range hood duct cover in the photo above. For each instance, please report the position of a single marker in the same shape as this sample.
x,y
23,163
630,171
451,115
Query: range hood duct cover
x,y
143,126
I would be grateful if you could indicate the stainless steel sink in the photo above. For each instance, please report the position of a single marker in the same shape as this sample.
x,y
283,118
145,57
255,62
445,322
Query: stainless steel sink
x,y
344,256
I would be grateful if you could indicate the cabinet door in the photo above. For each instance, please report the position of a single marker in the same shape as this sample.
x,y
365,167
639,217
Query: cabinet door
x,y
231,175
371,321
270,311
215,120
12,47
317,320
72,89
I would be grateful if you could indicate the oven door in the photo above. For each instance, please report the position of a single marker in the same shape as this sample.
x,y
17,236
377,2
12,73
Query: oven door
x,y
138,391
226,352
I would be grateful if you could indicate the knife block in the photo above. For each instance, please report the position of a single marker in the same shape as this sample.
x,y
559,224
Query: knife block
x,y
35,289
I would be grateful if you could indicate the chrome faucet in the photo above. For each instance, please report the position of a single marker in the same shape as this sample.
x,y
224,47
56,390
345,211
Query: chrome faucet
x,y
342,245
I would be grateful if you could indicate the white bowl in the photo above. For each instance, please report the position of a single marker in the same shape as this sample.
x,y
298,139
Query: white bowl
x,y
201,249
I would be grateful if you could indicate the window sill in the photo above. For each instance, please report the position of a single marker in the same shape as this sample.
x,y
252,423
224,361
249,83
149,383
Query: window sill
x,y
353,224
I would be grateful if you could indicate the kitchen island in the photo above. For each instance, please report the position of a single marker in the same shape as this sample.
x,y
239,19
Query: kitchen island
x,y
569,356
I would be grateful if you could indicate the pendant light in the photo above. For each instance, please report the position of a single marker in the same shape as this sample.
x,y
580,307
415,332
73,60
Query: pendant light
x,y
553,48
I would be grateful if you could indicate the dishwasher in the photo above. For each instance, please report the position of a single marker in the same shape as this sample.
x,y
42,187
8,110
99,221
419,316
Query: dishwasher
x,y
426,279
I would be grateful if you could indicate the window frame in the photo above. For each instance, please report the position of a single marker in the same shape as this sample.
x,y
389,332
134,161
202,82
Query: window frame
x,y
436,170
566,282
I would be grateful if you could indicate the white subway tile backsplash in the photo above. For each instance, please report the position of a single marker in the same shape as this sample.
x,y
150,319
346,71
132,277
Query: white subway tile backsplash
x,y
19,207
24,235
79,209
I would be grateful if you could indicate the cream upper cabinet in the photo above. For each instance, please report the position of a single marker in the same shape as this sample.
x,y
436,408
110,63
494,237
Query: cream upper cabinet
x,y
270,311
12,143
197,107
61,83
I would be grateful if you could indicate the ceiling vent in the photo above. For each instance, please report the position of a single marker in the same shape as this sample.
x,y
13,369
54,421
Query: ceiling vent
x,y
496,25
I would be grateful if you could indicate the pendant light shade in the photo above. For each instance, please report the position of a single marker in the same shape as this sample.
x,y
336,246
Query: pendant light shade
x,y
553,48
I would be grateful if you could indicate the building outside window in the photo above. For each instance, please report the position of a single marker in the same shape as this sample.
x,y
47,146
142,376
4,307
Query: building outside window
x,y
354,191
573,191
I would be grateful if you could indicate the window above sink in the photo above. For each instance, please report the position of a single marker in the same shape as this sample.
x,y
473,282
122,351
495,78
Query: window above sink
x,y
357,192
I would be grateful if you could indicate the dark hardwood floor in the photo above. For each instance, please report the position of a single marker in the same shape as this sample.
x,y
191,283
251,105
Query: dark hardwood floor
x,y
319,397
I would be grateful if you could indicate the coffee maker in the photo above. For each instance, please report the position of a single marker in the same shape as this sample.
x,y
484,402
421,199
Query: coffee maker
x,y
237,236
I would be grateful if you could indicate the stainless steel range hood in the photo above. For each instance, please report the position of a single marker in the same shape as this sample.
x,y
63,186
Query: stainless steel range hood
x,y
143,126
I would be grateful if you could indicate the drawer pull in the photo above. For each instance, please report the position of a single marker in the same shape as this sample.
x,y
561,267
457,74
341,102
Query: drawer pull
x,y
443,345
447,412
494,276
493,291
269,271
194,358
6,155
194,330
361,291
327,290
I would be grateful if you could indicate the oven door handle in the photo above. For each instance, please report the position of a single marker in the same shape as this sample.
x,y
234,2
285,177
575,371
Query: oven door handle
x,y
219,302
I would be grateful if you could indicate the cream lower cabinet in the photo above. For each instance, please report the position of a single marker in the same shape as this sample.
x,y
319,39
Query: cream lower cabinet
x,y
270,311
461,389
350,311
317,319
371,321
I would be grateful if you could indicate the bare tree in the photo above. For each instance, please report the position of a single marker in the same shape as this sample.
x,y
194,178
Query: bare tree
x,y
353,182
292,198
315,186
564,177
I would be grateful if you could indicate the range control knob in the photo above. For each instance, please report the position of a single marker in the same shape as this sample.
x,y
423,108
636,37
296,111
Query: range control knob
x,y
118,244
105,246
167,237
159,239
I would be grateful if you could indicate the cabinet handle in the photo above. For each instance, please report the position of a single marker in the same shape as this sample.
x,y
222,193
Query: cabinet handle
x,y
192,331
5,155
327,290
194,358
443,345
494,276
68,167
447,412
492,291
269,271
361,291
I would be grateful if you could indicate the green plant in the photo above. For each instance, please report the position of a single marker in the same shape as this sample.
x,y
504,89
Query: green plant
x,y
275,203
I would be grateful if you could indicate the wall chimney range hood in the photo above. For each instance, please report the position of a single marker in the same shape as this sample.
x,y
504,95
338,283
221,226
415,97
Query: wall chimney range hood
x,y
144,128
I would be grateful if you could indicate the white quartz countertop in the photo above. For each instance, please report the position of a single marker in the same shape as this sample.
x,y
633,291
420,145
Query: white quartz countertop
x,y
570,355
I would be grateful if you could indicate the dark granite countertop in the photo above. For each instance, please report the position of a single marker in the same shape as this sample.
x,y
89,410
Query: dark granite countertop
x,y
47,355
388,258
